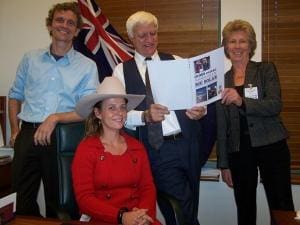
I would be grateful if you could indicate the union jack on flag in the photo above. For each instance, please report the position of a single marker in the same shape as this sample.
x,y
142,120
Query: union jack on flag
x,y
99,41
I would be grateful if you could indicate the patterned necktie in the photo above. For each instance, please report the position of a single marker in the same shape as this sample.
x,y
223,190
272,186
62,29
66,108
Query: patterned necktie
x,y
155,134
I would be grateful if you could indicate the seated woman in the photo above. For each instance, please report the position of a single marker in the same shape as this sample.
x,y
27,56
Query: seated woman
x,y
111,174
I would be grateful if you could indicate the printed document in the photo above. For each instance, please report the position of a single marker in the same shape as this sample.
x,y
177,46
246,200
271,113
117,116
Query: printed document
x,y
184,83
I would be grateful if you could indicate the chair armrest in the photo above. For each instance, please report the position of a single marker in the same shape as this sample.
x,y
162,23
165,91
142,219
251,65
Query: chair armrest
x,y
161,196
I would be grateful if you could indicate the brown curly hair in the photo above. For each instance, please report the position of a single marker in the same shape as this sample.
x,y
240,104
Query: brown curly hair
x,y
72,6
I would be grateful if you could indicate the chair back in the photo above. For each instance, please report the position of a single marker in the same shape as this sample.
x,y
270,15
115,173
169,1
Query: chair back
x,y
68,137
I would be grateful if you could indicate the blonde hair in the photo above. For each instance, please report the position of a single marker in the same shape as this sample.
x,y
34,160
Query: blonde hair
x,y
140,17
239,25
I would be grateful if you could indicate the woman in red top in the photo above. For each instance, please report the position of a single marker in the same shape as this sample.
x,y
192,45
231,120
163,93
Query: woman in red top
x,y
111,174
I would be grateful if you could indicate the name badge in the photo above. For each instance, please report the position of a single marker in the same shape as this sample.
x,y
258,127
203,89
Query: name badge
x,y
251,92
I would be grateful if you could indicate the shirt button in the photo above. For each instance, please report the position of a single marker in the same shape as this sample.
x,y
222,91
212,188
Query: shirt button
x,y
102,157
108,196
134,160
52,78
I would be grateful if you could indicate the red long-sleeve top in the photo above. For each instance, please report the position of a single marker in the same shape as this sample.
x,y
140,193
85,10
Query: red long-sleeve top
x,y
103,183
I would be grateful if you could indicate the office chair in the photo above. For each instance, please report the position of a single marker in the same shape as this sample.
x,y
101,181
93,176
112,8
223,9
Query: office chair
x,y
68,137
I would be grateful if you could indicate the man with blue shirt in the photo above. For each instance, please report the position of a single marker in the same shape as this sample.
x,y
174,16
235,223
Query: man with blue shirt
x,y
47,87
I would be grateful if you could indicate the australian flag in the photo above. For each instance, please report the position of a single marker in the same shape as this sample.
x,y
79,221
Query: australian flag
x,y
99,41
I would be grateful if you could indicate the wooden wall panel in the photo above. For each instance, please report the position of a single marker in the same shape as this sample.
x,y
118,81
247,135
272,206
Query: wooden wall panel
x,y
186,27
190,27
281,45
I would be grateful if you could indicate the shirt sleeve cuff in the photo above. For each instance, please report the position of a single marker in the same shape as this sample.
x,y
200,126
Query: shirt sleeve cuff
x,y
134,119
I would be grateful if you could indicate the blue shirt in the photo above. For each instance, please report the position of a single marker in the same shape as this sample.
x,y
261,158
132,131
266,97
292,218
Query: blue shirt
x,y
46,86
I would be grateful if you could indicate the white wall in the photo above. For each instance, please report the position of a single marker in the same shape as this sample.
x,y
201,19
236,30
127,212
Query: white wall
x,y
246,10
22,28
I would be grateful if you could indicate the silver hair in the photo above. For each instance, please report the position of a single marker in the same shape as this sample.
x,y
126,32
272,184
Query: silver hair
x,y
140,17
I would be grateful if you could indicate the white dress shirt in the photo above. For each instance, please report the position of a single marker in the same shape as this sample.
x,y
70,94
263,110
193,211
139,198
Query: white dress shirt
x,y
134,118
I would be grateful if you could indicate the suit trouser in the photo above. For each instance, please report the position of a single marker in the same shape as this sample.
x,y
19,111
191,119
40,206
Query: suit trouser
x,y
31,164
273,162
176,170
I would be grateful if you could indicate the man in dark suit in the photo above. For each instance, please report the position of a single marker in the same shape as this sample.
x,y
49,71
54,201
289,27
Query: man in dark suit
x,y
175,161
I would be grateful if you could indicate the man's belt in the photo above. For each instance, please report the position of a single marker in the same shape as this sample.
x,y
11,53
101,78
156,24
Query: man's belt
x,y
173,137
30,125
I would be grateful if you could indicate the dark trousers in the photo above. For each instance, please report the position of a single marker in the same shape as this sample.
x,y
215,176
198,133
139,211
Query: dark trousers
x,y
31,164
176,170
273,163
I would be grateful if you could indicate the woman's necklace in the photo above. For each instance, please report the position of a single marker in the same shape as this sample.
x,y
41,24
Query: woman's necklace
x,y
239,78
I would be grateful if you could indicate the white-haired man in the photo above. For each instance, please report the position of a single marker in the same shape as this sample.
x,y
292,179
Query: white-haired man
x,y
176,161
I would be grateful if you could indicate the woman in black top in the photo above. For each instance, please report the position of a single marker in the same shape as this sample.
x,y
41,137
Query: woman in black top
x,y
251,136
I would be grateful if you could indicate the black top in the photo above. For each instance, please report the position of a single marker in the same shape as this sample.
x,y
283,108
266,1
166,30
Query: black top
x,y
244,132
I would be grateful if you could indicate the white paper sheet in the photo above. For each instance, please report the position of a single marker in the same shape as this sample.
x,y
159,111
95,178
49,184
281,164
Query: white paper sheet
x,y
184,83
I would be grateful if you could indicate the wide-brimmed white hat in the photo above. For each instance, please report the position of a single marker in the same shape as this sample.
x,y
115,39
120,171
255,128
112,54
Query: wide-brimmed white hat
x,y
111,87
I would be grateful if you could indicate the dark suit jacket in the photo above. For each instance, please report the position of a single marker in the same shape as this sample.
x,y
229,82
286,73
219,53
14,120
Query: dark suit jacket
x,y
264,123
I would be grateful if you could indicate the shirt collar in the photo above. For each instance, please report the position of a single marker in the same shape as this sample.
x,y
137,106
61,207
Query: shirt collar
x,y
139,58
66,58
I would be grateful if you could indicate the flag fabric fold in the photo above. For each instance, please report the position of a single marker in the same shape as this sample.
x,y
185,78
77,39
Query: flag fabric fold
x,y
99,40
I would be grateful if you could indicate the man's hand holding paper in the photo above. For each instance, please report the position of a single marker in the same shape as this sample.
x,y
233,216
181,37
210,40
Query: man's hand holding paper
x,y
196,112
155,113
